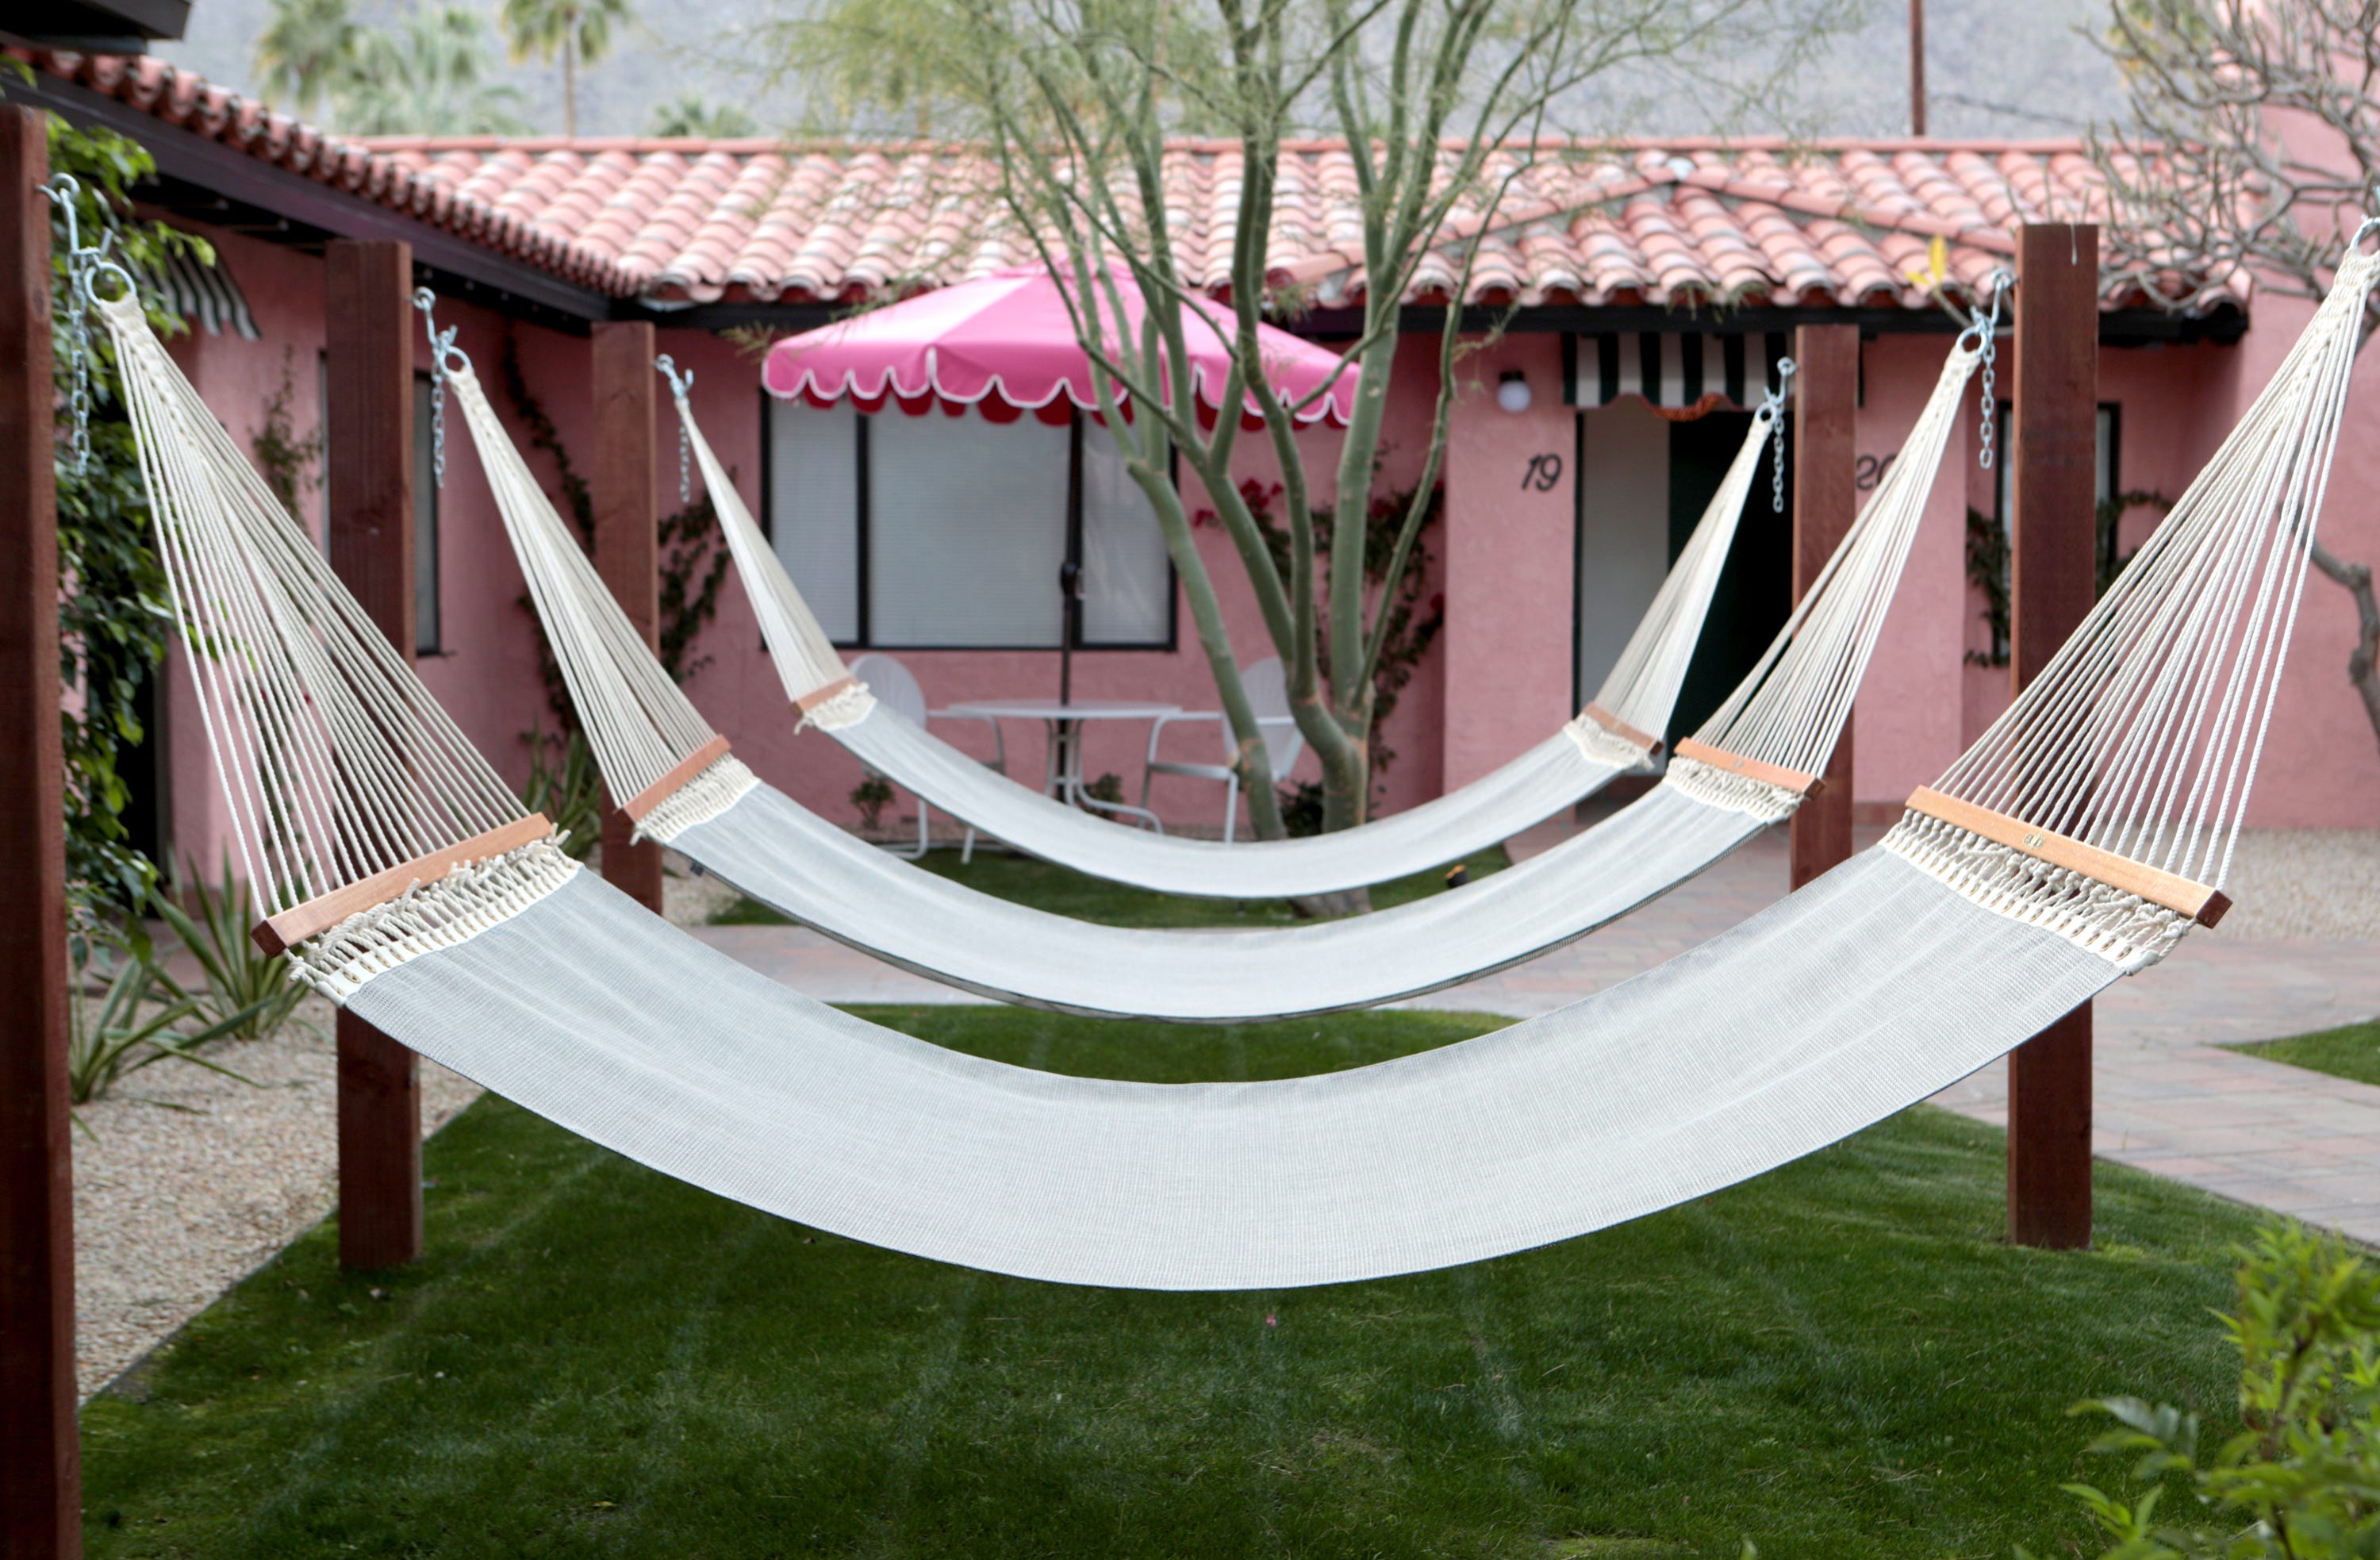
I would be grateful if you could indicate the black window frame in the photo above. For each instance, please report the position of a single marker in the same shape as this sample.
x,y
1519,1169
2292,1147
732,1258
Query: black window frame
x,y
862,487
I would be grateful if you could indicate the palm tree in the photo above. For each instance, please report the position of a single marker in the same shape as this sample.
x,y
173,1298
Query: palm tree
x,y
580,30
694,116
306,51
429,80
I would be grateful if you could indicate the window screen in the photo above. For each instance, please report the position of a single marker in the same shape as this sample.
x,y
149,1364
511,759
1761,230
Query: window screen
x,y
918,532
814,512
427,638
1127,578
966,528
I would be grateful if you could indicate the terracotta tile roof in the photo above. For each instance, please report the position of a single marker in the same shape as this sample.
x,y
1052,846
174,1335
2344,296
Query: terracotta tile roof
x,y
190,103
1680,222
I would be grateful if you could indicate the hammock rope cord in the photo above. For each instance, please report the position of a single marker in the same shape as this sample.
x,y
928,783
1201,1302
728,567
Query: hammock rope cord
x,y
338,768
1736,777
1619,732
2138,742
1635,698
1871,988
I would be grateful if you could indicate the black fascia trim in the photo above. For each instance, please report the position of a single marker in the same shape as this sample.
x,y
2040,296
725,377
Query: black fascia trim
x,y
731,316
2119,327
314,212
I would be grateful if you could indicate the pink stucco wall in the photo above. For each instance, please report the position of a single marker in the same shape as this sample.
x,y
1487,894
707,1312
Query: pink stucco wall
x,y
1503,561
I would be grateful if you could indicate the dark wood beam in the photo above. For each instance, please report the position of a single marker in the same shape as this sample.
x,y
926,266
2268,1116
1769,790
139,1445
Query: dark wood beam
x,y
627,545
1825,501
41,1462
368,289
2053,582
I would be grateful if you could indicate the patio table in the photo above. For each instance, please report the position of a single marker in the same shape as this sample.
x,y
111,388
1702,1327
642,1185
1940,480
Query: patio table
x,y
1065,723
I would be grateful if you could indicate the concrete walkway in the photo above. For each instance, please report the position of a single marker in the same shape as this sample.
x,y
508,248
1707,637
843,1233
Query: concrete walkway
x,y
2167,1099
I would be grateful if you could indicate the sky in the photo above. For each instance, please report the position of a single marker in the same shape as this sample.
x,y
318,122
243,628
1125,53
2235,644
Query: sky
x,y
1997,68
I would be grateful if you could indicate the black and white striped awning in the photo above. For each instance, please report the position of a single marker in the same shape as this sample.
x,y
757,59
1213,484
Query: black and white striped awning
x,y
204,293
1674,371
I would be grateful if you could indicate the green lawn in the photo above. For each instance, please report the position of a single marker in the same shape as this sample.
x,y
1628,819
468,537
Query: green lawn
x,y
1062,891
2352,1051
1840,1359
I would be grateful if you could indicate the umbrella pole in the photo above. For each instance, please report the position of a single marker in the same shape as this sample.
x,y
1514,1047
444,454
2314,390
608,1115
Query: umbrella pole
x,y
1069,623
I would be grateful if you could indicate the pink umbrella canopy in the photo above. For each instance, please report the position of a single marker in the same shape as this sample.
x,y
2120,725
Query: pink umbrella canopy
x,y
1004,345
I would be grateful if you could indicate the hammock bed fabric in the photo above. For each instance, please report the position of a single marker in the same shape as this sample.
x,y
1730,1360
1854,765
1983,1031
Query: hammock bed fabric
x,y
2063,850
648,738
1617,734
1871,989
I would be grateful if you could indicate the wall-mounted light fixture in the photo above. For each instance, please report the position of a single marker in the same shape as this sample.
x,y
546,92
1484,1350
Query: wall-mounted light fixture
x,y
1512,392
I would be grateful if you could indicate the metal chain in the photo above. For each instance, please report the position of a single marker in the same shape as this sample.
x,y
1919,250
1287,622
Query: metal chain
x,y
680,385
438,424
1775,408
62,189
441,343
1989,327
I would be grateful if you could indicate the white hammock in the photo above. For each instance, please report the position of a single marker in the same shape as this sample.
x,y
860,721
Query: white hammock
x,y
1998,903
654,748
1618,733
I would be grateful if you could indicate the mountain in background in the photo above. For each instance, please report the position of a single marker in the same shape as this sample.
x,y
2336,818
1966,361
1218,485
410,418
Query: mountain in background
x,y
1996,68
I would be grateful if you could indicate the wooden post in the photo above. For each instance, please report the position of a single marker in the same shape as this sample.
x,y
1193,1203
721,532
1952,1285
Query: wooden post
x,y
2053,580
627,545
368,289
41,1462
1825,501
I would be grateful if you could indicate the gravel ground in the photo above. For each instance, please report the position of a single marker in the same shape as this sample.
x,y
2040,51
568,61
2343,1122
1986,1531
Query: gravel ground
x,y
688,900
173,1207
2322,884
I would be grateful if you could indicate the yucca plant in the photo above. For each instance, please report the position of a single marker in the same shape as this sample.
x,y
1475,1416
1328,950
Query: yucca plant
x,y
134,1020
245,987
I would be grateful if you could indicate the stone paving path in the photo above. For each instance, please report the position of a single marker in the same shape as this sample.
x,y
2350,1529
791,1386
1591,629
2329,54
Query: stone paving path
x,y
2167,1099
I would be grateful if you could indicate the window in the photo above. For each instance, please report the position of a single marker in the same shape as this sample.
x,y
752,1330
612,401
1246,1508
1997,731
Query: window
x,y
943,532
427,639
2110,434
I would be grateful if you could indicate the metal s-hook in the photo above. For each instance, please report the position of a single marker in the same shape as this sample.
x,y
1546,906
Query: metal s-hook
x,y
680,385
446,358
2370,224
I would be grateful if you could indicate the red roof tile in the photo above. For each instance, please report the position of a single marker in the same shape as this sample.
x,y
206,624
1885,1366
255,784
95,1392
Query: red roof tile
x,y
1682,222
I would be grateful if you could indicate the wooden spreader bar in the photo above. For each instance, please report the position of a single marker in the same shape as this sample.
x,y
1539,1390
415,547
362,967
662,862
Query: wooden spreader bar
x,y
2200,903
278,934
810,701
1774,774
1620,728
686,769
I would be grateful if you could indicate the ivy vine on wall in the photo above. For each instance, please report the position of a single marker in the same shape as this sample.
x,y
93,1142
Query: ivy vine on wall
x,y
114,620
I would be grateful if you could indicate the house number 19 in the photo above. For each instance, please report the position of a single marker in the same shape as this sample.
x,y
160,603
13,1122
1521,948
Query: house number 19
x,y
1544,472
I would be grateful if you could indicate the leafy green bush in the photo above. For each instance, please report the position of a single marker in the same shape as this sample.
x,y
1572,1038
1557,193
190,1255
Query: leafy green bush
x,y
134,1020
2303,1480
245,987
569,793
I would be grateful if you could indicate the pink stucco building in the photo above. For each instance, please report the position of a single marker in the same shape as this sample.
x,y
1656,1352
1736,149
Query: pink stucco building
x,y
1649,288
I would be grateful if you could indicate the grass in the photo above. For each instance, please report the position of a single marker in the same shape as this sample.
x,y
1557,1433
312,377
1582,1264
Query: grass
x,y
2352,1051
1062,891
1840,1359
